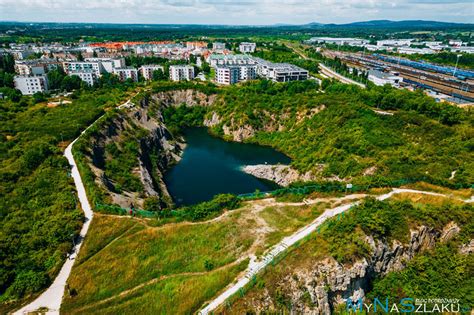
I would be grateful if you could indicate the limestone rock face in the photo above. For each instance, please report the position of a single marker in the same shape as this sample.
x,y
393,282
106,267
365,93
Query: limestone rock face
x,y
319,288
283,175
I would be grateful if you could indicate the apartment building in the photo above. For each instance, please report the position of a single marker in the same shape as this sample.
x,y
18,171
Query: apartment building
x,y
215,60
80,66
35,66
218,46
90,77
181,72
235,73
126,73
227,74
280,72
29,85
246,47
146,71
108,64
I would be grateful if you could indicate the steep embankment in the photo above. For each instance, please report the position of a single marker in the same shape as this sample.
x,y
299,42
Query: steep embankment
x,y
124,155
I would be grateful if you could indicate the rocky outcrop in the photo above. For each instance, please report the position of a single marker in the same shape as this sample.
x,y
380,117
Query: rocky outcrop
x,y
319,288
283,175
158,149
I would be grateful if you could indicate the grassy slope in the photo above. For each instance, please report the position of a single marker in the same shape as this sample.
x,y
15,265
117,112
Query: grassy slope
x,y
185,262
344,240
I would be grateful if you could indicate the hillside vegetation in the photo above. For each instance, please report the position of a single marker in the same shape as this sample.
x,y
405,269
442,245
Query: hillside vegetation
x,y
39,210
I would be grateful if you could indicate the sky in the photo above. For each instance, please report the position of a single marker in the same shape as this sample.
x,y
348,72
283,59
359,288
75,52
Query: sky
x,y
239,12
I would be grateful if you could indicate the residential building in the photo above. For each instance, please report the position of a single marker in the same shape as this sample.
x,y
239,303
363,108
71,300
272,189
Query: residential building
x,y
235,73
29,85
181,72
147,71
382,78
218,46
195,45
108,64
215,60
227,74
88,76
246,47
280,72
78,66
126,73
35,66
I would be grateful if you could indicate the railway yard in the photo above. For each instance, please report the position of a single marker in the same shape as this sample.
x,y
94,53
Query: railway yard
x,y
458,84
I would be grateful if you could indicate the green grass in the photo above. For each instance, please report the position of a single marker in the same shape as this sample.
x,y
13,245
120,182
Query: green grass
x,y
151,253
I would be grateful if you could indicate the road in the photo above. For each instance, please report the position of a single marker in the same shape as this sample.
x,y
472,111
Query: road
x,y
256,266
52,297
332,74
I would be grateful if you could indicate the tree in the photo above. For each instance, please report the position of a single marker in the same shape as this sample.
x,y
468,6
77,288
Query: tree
x,y
39,97
71,82
55,78
158,75
152,204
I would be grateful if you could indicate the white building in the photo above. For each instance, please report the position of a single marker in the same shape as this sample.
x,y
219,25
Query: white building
x,y
181,72
382,78
126,73
218,46
35,66
215,60
79,66
147,71
108,64
246,47
412,51
339,41
29,85
395,42
280,72
90,77
227,74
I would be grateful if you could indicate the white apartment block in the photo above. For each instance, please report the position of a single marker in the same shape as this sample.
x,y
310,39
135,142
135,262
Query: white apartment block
x,y
181,72
245,47
218,46
227,74
35,66
280,72
108,64
228,60
29,85
126,73
339,41
236,73
147,71
79,66
90,77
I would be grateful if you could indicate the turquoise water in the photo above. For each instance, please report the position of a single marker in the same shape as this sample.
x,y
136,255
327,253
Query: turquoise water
x,y
211,166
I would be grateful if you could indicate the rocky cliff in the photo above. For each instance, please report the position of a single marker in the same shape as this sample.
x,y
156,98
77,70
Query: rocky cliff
x,y
320,287
157,148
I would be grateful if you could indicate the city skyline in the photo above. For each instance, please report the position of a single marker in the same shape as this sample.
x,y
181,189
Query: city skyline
x,y
242,12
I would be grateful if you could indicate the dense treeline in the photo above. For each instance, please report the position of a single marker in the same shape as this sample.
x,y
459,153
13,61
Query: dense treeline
x,y
421,139
39,210
447,58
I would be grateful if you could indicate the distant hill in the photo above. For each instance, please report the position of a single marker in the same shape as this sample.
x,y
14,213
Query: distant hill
x,y
389,24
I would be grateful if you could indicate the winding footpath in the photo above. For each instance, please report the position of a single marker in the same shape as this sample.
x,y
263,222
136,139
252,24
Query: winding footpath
x,y
51,298
256,266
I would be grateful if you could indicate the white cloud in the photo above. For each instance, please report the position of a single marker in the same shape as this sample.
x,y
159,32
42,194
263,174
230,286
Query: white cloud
x,y
234,12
